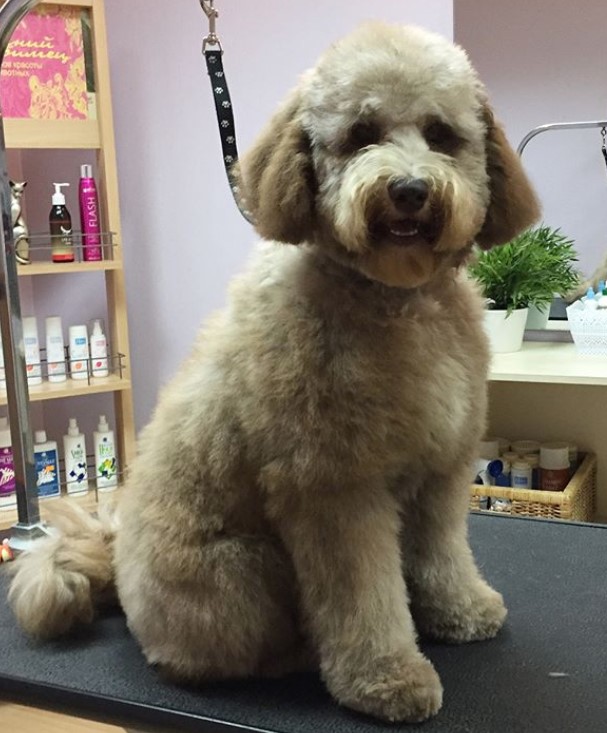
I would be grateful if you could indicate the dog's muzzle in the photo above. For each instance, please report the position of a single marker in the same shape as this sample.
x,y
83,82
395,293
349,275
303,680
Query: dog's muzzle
x,y
408,216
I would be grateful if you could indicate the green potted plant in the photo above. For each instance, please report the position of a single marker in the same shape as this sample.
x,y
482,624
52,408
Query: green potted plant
x,y
523,274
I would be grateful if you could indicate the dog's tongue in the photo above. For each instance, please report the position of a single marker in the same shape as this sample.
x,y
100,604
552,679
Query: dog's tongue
x,y
404,228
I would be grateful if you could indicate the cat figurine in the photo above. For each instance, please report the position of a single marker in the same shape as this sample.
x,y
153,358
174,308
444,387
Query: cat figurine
x,y
20,231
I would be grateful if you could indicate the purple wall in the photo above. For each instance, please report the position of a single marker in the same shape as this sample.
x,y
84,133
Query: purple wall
x,y
545,61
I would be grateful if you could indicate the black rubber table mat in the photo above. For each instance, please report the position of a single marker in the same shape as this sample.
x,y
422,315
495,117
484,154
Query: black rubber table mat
x,y
546,671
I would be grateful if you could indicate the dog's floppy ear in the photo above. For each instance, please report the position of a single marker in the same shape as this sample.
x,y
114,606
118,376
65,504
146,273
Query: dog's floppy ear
x,y
513,205
276,178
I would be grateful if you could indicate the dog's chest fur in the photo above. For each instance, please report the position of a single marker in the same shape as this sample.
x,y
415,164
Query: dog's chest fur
x,y
361,390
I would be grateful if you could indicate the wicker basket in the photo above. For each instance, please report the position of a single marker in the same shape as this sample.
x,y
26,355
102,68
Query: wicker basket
x,y
575,503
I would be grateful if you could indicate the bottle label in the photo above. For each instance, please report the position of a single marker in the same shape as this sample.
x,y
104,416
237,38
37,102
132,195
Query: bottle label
x,y
7,472
47,472
520,482
76,467
106,464
554,479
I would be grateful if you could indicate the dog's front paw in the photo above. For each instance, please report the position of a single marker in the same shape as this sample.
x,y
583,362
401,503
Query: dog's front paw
x,y
473,615
397,690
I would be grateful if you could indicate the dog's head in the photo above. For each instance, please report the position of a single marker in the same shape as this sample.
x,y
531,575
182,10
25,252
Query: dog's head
x,y
388,156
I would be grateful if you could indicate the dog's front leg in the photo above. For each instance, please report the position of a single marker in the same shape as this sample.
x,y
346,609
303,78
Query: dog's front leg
x,y
345,548
450,599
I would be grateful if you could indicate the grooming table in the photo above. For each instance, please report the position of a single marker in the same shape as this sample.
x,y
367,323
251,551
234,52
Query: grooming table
x,y
546,671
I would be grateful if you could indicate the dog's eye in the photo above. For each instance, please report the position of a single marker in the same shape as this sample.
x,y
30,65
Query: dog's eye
x,y
363,133
442,137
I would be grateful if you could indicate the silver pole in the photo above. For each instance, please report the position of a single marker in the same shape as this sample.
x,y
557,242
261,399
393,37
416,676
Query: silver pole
x,y
558,126
28,526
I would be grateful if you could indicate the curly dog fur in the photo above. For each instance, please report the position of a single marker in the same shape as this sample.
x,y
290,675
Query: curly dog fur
x,y
300,495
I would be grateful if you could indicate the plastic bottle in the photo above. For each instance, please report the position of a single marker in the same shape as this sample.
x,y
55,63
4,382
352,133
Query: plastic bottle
x,y
521,447
105,456
7,467
591,302
510,456
79,352
32,350
602,301
489,449
520,475
46,460
89,215
99,360
55,350
533,460
74,454
554,466
60,223
574,459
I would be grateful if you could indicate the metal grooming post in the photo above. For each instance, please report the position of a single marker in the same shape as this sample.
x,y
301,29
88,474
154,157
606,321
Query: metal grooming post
x,y
558,126
28,527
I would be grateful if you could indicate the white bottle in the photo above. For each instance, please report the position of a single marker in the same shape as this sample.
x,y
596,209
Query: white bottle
x,y
55,350
105,456
74,455
46,459
32,350
520,475
99,362
79,352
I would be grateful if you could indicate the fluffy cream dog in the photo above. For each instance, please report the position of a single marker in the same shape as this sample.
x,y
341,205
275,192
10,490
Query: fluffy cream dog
x,y
300,496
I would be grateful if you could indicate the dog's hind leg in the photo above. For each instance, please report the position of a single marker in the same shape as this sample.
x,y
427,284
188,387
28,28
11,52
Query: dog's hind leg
x,y
450,600
233,615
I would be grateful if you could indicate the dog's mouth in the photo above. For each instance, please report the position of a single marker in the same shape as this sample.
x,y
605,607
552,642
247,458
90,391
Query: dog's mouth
x,y
403,232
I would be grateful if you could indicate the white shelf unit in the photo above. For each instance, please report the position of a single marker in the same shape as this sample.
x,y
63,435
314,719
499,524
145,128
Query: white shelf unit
x,y
551,363
548,391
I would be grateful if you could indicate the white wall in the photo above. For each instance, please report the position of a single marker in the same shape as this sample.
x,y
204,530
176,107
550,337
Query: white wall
x,y
545,61
183,237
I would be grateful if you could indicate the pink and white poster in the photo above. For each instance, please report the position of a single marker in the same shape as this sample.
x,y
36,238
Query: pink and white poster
x,y
43,74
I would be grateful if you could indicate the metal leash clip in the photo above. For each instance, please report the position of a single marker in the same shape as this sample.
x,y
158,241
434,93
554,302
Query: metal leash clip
x,y
212,39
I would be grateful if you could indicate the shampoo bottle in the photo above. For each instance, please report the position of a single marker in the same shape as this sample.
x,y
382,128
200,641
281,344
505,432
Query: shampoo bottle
x,y
46,459
60,223
7,467
99,361
32,350
74,455
89,215
105,456
79,352
55,350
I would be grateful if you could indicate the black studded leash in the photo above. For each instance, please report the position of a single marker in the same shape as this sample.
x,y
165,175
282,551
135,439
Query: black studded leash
x,y
223,104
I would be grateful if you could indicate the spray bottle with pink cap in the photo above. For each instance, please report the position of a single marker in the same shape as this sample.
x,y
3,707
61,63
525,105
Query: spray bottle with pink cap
x,y
89,215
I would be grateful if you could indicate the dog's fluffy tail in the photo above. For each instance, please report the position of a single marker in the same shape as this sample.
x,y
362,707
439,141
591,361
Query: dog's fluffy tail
x,y
60,582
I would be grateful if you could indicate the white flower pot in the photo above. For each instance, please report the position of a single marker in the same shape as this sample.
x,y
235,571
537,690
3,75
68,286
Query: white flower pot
x,y
537,318
505,331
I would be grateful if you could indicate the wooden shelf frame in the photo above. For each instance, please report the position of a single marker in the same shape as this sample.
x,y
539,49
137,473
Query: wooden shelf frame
x,y
97,135
59,268
74,388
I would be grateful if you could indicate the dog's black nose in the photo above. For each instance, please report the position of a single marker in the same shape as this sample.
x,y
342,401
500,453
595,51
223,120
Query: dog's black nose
x,y
409,194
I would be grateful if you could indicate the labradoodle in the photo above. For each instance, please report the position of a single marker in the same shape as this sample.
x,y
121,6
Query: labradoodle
x,y
300,495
